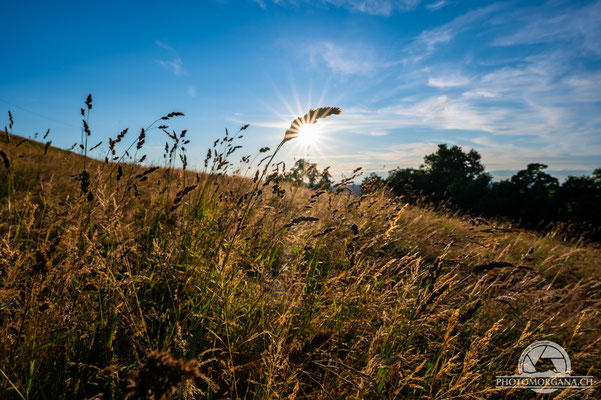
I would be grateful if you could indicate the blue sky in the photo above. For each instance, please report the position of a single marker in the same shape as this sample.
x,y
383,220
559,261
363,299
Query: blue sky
x,y
519,81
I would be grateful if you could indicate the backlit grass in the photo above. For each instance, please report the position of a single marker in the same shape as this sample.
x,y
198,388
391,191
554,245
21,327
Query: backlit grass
x,y
141,282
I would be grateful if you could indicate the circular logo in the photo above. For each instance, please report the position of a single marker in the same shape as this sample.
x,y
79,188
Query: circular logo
x,y
544,359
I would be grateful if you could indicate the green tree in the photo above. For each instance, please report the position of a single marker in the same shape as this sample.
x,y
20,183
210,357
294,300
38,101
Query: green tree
x,y
325,179
306,173
530,196
453,162
299,171
372,183
447,174
534,178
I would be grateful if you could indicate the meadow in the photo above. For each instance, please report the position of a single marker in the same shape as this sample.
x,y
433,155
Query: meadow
x,y
120,279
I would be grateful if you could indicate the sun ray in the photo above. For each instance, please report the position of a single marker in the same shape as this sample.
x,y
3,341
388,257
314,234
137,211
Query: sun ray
x,y
310,92
313,138
324,92
294,91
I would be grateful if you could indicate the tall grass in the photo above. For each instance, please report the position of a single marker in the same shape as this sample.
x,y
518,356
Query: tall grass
x,y
119,280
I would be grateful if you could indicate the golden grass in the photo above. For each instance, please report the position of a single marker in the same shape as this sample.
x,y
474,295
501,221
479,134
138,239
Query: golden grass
x,y
186,285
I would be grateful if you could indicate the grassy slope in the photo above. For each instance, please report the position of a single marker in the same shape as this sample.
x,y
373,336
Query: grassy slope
x,y
374,299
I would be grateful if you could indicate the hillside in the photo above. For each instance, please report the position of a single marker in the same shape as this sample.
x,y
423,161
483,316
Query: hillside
x,y
123,280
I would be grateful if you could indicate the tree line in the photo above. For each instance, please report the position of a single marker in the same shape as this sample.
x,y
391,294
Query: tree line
x,y
306,173
532,197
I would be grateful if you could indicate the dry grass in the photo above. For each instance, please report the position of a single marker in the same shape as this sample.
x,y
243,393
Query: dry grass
x,y
147,283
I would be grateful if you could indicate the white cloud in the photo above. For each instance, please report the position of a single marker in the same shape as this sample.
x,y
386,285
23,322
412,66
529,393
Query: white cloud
x,y
580,27
540,95
448,81
372,7
191,92
444,112
175,64
437,5
377,7
356,60
584,87
425,44
379,133
479,93
163,45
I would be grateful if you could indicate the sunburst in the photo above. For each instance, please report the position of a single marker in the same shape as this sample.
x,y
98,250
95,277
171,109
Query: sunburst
x,y
309,135
311,139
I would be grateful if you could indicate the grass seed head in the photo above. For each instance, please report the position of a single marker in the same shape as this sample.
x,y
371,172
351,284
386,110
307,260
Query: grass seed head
x,y
5,159
159,375
309,118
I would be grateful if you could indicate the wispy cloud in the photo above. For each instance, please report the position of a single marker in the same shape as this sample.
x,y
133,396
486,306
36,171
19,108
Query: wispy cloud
x,y
163,45
174,64
436,5
448,81
579,27
377,7
425,44
346,60
372,7
543,96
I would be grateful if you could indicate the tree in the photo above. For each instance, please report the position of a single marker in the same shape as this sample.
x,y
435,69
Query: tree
x,y
447,174
531,196
325,179
306,173
408,182
298,172
453,162
372,183
579,198
533,178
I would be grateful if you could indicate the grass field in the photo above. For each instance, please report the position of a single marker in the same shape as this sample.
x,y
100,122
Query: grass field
x,y
123,280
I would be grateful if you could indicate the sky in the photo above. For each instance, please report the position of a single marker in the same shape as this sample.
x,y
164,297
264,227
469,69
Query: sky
x,y
518,81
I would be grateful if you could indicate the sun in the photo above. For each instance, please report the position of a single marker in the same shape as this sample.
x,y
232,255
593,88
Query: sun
x,y
309,134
